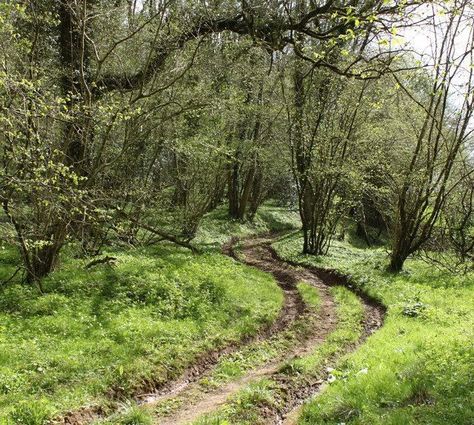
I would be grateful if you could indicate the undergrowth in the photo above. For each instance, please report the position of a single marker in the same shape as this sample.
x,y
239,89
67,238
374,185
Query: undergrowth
x,y
106,333
418,368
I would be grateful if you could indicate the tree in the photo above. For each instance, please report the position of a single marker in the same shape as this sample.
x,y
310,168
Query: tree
x,y
425,181
86,75
322,133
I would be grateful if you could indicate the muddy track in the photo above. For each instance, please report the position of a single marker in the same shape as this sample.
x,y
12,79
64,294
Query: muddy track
x,y
257,252
293,308
293,392
188,384
192,400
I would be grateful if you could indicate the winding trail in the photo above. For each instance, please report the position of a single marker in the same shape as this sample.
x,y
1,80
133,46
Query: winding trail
x,y
257,252
293,308
186,399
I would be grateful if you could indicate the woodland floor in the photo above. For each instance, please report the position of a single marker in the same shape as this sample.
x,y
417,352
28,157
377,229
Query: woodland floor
x,y
268,336
299,330
416,369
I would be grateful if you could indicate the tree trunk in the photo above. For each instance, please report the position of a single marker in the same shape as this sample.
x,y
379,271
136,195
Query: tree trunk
x,y
180,194
246,191
400,253
256,195
75,85
233,190
218,193
397,261
76,132
361,232
44,259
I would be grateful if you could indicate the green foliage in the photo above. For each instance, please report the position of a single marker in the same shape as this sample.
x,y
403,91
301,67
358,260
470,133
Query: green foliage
x,y
32,413
413,307
149,114
418,367
113,327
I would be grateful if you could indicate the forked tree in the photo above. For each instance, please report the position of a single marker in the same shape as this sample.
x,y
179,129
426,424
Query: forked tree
x,y
426,181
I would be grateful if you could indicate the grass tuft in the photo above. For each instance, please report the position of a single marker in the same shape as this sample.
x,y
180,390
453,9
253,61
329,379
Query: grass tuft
x,y
133,415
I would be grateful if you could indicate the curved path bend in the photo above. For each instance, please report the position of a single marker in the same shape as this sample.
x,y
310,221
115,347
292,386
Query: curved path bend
x,y
257,252
187,399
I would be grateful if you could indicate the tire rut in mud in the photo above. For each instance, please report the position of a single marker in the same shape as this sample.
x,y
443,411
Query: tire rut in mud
x,y
295,393
256,252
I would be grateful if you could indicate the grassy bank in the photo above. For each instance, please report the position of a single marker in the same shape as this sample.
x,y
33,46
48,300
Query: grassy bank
x,y
109,331
216,227
417,369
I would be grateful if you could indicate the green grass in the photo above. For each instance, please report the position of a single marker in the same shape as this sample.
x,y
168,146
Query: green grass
x,y
418,368
109,331
235,365
216,228
247,406
309,294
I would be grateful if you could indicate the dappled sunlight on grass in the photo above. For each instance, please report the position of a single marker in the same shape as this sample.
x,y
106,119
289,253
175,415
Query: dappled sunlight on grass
x,y
113,329
216,228
418,367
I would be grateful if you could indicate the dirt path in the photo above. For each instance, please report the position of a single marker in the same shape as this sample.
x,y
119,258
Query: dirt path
x,y
295,392
293,308
187,389
256,252
184,400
